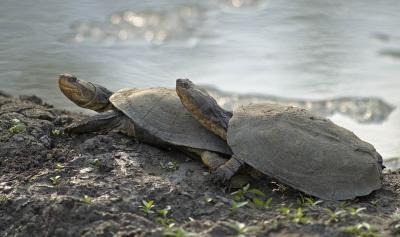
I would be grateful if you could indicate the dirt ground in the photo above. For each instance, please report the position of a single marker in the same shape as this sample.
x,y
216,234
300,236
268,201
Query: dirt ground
x,y
54,184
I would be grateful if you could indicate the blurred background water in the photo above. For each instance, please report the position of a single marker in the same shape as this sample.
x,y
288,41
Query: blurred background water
x,y
340,58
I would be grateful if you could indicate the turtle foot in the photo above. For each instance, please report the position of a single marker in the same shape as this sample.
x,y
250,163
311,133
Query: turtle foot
x,y
222,175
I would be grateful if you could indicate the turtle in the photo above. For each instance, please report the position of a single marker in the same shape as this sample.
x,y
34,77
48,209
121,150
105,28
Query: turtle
x,y
303,150
152,115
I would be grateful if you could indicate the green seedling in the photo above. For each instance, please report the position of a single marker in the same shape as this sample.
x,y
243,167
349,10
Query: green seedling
x,y
284,210
396,220
3,198
59,166
308,201
344,204
17,126
334,216
241,194
97,163
87,199
375,203
163,217
15,121
170,166
55,180
147,206
257,192
241,230
356,212
396,215
299,217
295,216
236,205
209,200
177,232
260,203
164,212
56,132
362,230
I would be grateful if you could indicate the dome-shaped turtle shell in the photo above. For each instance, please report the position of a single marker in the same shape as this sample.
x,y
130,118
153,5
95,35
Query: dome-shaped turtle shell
x,y
307,152
160,113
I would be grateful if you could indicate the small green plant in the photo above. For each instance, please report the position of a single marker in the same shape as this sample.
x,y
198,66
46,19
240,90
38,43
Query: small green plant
x,y
87,199
299,217
177,232
308,201
260,203
164,212
356,212
208,199
375,203
3,198
334,216
296,216
362,230
344,204
170,166
396,221
59,166
284,210
97,163
241,194
147,206
17,126
163,217
56,132
55,180
242,230
236,205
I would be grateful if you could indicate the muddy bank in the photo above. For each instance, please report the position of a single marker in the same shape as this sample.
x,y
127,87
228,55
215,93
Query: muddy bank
x,y
53,184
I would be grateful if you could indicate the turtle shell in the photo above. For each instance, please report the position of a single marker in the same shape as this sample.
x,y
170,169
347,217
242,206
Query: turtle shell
x,y
307,152
160,118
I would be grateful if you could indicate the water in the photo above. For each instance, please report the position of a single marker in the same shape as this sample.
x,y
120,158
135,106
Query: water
x,y
308,50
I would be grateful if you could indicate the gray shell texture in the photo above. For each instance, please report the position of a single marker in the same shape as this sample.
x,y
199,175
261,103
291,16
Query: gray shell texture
x,y
160,113
305,151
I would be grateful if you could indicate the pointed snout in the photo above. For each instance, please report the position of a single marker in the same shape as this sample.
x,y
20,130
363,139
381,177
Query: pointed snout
x,y
184,84
65,77
67,81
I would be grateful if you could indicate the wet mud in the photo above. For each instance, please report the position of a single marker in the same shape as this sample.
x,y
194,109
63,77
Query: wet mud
x,y
54,184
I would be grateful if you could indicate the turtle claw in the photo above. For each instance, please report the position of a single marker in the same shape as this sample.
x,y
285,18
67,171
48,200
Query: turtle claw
x,y
221,175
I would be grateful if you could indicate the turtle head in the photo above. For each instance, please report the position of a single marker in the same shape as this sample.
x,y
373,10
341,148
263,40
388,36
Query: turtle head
x,y
203,107
85,94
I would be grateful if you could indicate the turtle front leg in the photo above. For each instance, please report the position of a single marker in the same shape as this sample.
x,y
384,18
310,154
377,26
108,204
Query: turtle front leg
x,y
212,160
225,172
104,122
